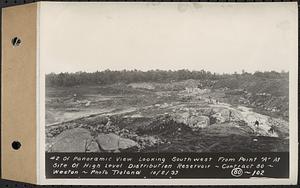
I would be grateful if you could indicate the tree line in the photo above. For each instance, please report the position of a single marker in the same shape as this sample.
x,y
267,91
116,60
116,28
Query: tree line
x,y
106,77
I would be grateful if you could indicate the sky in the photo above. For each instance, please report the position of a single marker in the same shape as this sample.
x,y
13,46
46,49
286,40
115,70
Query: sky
x,y
221,38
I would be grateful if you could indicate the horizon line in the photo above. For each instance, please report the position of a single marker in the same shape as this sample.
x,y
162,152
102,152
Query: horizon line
x,y
120,70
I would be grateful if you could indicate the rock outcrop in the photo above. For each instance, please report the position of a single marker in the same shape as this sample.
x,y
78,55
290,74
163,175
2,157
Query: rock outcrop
x,y
114,143
74,140
193,120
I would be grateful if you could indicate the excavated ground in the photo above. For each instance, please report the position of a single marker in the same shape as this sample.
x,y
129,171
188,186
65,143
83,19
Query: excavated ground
x,y
157,118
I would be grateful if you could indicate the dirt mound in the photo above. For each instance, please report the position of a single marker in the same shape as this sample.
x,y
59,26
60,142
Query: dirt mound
x,y
227,129
131,122
163,126
227,137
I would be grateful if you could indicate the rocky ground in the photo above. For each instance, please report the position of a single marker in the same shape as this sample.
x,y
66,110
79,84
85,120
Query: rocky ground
x,y
155,117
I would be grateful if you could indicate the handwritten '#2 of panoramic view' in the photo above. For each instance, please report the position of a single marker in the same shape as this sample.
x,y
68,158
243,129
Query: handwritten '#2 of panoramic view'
x,y
155,85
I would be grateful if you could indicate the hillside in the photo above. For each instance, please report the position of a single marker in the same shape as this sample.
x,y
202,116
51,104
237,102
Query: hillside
x,y
180,116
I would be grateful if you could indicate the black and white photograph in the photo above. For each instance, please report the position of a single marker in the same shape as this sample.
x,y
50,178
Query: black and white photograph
x,y
168,91
196,83
150,93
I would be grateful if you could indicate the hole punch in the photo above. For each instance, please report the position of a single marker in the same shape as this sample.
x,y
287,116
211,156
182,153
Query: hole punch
x,y
16,41
16,145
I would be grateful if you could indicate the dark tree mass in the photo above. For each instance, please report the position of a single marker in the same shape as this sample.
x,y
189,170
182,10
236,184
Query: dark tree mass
x,y
125,76
130,76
